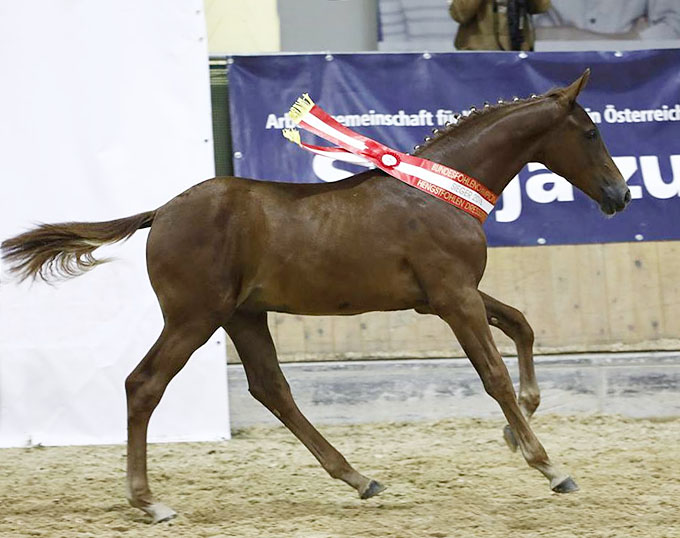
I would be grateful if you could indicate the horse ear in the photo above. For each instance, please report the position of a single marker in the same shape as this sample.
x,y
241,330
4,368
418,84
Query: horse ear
x,y
570,93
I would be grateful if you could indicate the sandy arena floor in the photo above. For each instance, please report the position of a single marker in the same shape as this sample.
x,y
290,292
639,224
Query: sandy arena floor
x,y
451,478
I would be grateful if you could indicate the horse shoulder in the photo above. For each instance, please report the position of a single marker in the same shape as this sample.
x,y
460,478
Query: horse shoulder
x,y
452,252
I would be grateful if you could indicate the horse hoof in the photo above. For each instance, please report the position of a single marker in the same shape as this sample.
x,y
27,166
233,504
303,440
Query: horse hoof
x,y
565,486
510,438
373,489
160,513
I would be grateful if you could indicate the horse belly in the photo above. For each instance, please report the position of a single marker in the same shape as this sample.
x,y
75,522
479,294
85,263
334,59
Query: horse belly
x,y
336,287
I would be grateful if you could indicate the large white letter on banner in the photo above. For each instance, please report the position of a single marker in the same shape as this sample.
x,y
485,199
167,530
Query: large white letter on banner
x,y
512,202
536,186
654,183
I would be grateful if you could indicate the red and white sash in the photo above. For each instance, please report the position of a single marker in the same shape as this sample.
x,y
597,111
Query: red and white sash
x,y
436,179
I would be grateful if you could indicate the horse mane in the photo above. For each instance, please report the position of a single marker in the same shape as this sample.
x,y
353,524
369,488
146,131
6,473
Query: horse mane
x,y
473,114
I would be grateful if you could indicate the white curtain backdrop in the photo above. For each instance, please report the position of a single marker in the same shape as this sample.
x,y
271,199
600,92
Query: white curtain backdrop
x,y
104,112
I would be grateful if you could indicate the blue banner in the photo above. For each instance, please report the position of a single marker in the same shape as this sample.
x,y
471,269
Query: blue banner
x,y
397,99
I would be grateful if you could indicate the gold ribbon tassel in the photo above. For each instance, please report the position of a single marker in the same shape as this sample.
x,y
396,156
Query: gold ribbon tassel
x,y
293,135
303,105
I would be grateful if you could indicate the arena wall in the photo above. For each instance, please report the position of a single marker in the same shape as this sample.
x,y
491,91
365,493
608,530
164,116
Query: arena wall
x,y
578,298
242,27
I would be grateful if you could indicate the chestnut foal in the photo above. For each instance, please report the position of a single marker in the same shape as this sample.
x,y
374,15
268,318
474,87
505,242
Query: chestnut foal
x,y
228,250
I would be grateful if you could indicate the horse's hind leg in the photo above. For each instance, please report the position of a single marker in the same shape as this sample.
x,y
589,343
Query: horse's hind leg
x,y
267,384
513,323
144,388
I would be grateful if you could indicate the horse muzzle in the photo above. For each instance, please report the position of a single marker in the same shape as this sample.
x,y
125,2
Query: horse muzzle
x,y
614,199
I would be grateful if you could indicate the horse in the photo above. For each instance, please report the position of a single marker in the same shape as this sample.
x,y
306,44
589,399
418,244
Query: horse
x,y
229,250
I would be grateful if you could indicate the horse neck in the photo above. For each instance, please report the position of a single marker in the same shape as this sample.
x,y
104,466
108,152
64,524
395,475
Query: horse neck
x,y
493,146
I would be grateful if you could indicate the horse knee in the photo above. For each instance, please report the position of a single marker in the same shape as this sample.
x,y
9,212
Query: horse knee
x,y
513,323
498,385
519,326
524,330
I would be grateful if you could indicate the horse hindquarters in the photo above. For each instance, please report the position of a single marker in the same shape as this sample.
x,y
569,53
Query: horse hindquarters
x,y
195,300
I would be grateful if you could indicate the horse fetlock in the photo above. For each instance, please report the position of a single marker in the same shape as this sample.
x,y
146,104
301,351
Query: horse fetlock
x,y
138,493
141,498
342,470
560,481
529,402
539,460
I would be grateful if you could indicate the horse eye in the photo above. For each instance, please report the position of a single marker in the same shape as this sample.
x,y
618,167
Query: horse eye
x,y
591,134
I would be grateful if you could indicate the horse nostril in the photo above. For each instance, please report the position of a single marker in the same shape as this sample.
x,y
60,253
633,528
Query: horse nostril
x,y
626,197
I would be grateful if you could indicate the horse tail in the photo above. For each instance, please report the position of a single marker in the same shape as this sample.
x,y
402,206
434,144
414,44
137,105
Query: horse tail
x,y
60,251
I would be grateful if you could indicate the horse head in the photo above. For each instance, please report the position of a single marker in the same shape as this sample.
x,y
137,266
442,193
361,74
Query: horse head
x,y
493,143
574,149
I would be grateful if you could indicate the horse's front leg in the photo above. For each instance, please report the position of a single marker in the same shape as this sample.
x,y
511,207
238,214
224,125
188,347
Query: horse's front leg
x,y
463,309
266,382
513,323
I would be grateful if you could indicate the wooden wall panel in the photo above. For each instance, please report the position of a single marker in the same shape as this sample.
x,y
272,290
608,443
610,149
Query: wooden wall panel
x,y
592,300
578,298
566,317
620,293
668,256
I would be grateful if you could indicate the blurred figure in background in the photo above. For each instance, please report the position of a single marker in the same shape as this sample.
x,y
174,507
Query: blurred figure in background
x,y
495,24
589,20
414,25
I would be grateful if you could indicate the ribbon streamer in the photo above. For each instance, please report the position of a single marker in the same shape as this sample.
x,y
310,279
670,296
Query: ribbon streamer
x,y
440,181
